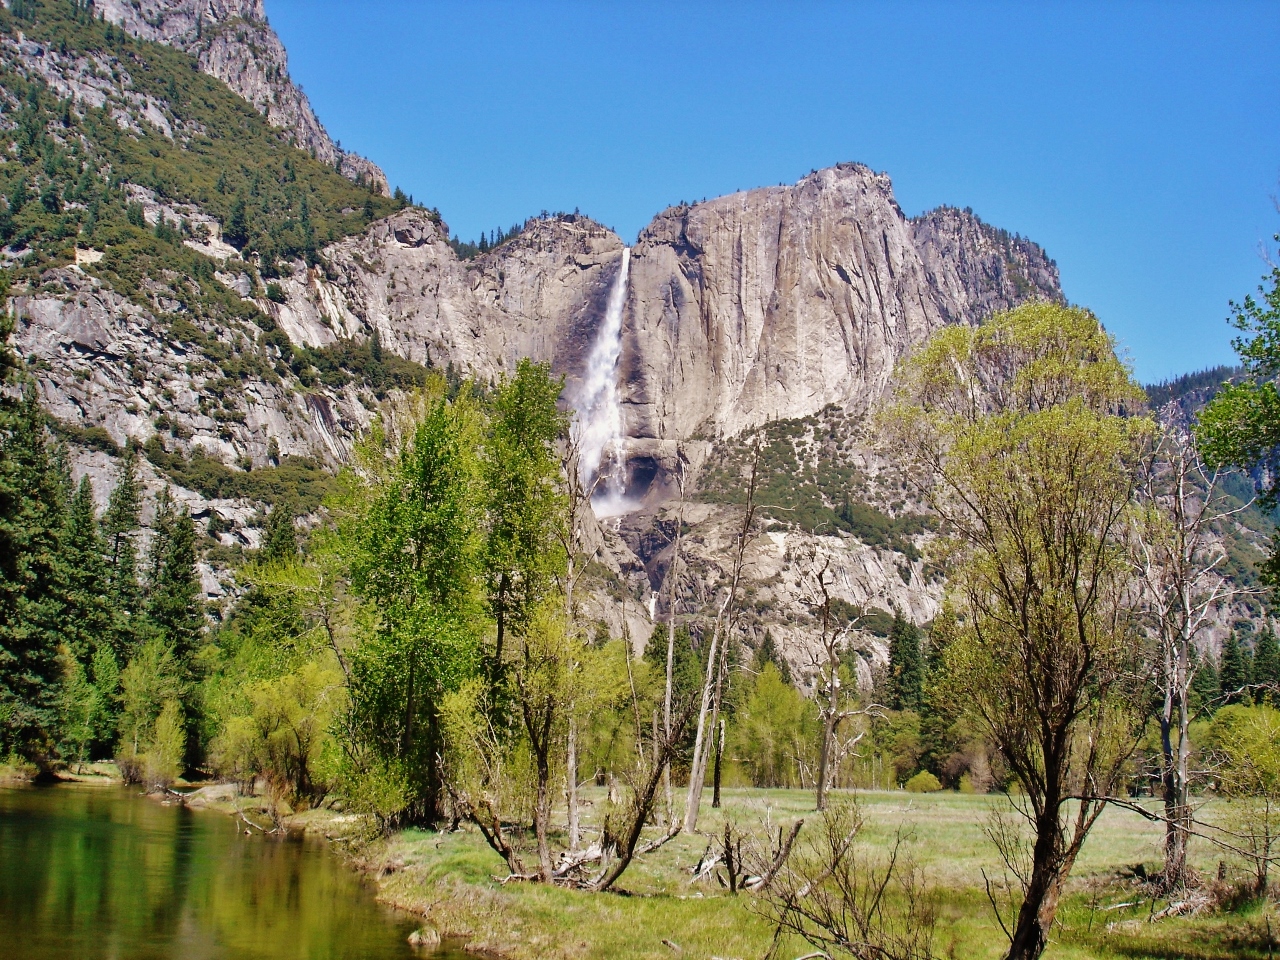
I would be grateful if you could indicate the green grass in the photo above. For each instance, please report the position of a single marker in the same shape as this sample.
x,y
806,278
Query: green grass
x,y
452,880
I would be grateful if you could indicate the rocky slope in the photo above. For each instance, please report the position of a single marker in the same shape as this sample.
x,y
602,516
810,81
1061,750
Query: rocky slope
x,y
232,40
245,370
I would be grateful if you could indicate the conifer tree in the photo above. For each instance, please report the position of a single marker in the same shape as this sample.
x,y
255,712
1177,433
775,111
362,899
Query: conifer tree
x,y
1266,665
31,520
174,602
279,542
768,652
1204,685
906,665
88,618
1233,672
161,533
119,530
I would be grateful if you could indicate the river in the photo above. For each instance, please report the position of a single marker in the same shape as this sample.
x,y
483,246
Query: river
x,y
100,872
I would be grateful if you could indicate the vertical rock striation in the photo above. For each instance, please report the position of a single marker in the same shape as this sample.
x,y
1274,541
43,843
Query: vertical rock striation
x,y
776,302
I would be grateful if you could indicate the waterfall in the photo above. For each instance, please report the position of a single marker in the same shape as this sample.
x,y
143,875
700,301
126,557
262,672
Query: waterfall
x,y
600,410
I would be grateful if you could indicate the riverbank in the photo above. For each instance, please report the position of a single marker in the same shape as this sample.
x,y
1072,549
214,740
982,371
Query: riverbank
x,y
453,881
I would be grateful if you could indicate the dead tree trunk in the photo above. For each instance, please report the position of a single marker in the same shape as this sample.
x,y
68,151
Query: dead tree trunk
x,y
674,574
725,621
1176,559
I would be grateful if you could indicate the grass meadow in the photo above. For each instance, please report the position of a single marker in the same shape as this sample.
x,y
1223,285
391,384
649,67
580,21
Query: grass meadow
x,y
453,879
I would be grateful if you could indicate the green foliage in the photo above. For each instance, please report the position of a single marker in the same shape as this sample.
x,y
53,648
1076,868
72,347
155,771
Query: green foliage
x,y
173,603
775,731
410,531
362,361
487,242
283,733
768,653
923,782
1233,670
1244,742
165,757
299,480
1200,386
120,526
1266,665
906,665
152,679
524,504
1023,425
1241,425
224,157
31,589
279,540
803,479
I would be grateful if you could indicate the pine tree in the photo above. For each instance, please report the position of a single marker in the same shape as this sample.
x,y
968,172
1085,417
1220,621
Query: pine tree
x,y
119,529
768,652
88,617
279,541
236,229
161,533
1233,672
1266,665
31,521
1204,684
173,605
906,665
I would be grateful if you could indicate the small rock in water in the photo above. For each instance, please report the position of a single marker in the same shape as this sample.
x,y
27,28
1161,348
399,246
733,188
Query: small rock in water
x,y
425,937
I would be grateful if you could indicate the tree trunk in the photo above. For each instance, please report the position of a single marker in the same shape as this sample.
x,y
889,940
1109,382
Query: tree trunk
x,y
542,814
715,726
1044,889
828,733
698,767
666,707
715,780
571,775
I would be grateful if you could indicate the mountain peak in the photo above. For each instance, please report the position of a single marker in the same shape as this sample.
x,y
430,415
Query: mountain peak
x,y
232,40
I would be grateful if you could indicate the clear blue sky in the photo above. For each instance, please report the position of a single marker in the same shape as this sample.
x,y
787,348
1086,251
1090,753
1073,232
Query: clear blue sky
x,y
1138,143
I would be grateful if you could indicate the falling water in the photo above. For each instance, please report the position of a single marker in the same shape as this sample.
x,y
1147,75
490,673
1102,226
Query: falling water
x,y
599,409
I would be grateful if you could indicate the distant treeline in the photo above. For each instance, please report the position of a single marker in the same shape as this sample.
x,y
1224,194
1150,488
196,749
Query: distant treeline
x,y
1206,382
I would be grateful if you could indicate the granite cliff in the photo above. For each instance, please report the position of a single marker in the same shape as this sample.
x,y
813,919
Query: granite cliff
x,y
242,325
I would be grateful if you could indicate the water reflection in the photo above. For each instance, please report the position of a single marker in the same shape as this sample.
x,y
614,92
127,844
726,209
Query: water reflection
x,y
91,872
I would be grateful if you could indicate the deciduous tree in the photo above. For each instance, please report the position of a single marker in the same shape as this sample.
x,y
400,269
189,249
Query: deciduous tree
x,y
1019,429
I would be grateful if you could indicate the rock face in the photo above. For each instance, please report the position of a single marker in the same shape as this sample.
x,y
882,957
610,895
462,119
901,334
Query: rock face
x,y
232,40
103,362
776,302
761,305
540,295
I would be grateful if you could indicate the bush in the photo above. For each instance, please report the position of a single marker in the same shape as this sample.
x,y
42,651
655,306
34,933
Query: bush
x,y
275,293
924,782
164,759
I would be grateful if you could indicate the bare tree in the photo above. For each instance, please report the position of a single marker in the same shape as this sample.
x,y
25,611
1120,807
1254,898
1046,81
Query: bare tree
x,y
833,710
674,575
1177,557
846,903
573,542
722,630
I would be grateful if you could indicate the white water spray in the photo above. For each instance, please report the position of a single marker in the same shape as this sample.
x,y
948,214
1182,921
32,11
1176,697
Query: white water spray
x,y
599,408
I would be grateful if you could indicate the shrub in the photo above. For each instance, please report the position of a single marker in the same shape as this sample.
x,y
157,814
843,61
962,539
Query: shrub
x,y
924,782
